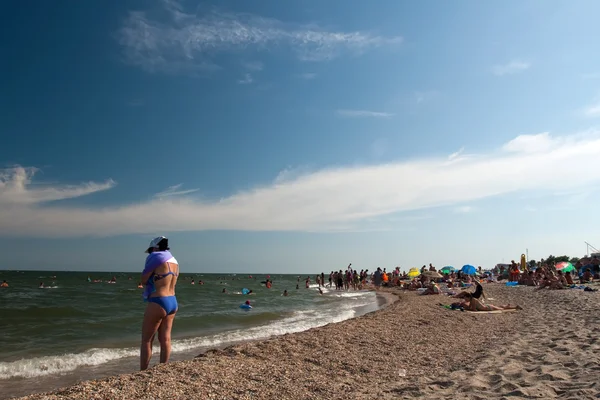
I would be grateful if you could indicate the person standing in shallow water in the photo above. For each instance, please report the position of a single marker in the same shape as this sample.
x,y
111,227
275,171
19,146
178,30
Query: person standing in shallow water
x,y
159,279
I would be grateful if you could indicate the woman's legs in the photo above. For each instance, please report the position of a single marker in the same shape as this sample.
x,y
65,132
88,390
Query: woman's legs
x,y
509,307
164,337
152,320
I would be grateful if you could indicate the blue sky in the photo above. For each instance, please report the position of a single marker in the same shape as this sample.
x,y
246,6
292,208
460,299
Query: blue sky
x,y
298,136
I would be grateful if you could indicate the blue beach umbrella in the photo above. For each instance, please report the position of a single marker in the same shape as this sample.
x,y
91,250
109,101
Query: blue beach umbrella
x,y
468,269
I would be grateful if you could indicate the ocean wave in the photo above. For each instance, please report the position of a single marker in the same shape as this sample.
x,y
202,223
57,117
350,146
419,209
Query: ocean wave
x,y
351,294
62,364
41,366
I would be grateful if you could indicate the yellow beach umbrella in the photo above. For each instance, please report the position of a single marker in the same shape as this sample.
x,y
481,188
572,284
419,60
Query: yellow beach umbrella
x,y
414,272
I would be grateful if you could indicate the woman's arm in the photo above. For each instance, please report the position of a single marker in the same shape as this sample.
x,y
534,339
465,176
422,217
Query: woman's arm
x,y
146,276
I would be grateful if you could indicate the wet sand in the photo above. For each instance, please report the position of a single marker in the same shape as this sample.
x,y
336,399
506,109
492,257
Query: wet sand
x,y
411,349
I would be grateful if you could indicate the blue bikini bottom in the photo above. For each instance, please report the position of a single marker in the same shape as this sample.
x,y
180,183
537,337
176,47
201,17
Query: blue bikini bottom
x,y
168,303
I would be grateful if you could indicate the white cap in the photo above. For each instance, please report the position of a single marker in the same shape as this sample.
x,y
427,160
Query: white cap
x,y
154,242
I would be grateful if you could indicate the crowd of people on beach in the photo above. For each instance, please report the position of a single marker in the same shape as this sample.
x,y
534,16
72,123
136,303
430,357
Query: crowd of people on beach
x,y
161,273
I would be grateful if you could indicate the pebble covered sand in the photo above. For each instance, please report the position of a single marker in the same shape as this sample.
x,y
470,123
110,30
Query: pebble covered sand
x,y
411,349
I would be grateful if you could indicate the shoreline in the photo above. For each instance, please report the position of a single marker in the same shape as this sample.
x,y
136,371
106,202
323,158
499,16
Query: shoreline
x,y
128,365
350,354
411,348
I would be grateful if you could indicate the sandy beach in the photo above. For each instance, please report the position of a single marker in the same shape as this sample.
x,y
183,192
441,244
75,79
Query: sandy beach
x,y
413,348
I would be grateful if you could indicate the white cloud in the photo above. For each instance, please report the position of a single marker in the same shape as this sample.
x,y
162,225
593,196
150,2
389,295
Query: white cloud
x,y
512,67
16,188
175,41
542,142
174,191
327,200
592,111
247,79
456,154
363,114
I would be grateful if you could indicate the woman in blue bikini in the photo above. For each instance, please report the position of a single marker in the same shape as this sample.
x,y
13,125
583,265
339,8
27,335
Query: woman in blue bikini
x,y
159,279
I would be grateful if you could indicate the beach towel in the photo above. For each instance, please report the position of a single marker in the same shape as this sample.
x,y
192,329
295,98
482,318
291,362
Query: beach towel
x,y
492,312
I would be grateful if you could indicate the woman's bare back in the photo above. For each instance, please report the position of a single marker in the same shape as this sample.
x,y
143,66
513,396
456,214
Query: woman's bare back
x,y
165,284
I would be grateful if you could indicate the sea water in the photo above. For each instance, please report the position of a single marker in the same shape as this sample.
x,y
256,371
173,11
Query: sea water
x,y
73,329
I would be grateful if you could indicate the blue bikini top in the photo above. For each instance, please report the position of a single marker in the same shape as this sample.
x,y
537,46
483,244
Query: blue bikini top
x,y
153,261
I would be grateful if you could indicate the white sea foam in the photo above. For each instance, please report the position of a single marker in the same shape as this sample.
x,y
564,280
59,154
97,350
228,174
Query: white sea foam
x,y
297,322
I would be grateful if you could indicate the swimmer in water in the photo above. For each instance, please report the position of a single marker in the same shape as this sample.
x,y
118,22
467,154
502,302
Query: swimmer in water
x,y
285,293
224,290
41,285
4,284
140,286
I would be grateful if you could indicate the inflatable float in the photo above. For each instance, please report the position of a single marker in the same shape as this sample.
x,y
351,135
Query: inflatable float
x,y
246,305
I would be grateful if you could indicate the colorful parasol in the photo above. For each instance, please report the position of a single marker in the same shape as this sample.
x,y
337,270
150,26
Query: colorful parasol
x,y
414,272
447,270
565,267
469,270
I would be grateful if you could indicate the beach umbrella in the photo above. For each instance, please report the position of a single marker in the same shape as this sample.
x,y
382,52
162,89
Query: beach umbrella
x,y
414,272
447,270
432,274
469,270
565,267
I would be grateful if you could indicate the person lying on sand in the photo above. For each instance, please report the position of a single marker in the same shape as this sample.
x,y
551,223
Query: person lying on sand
x,y
476,305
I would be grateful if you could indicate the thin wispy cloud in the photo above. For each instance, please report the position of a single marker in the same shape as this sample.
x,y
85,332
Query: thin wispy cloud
x,y
456,154
246,80
592,111
178,41
425,96
253,66
363,114
512,67
463,209
16,188
328,199
308,75
174,190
